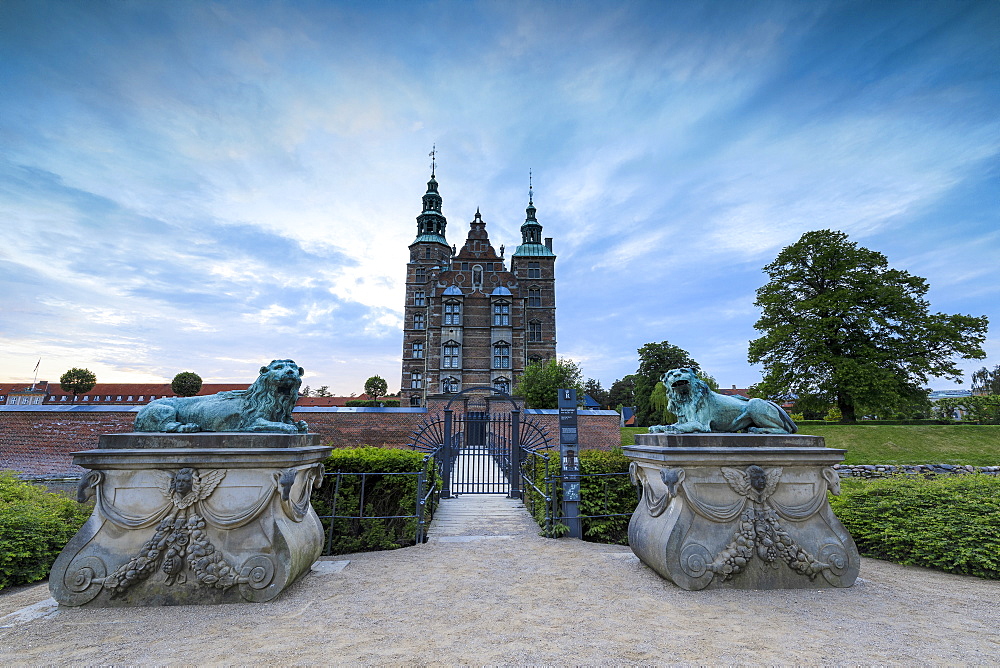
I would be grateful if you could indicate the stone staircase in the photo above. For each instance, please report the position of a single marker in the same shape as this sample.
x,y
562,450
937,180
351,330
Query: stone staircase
x,y
471,517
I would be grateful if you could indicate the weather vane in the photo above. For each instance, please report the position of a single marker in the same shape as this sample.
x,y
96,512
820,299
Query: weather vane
x,y
433,155
530,194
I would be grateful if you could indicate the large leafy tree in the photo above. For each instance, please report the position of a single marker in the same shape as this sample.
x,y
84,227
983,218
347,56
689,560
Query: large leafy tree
x,y
186,384
622,392
376,387
655,359
77,381
540,382
838,322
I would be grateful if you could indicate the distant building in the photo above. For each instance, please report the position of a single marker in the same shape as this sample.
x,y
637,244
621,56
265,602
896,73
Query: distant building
x,y
468,319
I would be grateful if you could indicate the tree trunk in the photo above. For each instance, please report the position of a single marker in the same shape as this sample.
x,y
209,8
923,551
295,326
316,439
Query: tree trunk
x,y
846,406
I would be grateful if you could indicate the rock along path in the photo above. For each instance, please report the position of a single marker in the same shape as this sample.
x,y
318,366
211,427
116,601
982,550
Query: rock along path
x,y
489,590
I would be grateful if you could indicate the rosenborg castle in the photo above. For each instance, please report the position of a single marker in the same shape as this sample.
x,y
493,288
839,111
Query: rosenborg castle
x,y
473,317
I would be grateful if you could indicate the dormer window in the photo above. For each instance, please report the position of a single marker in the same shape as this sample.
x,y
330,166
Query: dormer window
x,y
452,313
501,314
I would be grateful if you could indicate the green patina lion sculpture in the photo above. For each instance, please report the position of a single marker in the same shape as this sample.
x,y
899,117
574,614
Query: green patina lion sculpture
x,y
264,406
700,410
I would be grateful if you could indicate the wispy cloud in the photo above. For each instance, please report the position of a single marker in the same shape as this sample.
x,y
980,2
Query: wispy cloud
x,y
204,187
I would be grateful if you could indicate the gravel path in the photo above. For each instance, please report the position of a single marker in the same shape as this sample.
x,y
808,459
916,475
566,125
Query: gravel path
x,y
523,599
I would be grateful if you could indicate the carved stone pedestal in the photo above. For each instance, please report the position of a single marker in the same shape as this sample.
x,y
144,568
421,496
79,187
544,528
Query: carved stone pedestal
x,y
741,511
192,519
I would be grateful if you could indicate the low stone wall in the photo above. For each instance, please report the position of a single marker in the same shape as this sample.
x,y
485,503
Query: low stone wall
x,y
38,441
883,470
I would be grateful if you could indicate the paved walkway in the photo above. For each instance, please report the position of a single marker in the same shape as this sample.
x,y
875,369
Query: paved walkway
x,y
477,516
487,590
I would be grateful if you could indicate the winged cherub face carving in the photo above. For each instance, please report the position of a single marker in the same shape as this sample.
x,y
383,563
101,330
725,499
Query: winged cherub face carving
x,y
183,481
758,478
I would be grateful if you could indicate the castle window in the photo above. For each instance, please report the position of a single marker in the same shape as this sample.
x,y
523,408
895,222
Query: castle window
x,y
534,297
418,350
420,275
534,331
453,313
419,298
418,321
449,385
534,270
451,355
416,380
427,252
502,385
465,266
415,401
501,314
501,355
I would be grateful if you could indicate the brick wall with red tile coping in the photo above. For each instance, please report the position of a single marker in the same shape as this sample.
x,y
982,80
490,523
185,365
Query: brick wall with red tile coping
x,y
40,441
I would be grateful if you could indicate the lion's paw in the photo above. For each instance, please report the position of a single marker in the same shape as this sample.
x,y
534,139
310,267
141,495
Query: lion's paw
x,y
188,428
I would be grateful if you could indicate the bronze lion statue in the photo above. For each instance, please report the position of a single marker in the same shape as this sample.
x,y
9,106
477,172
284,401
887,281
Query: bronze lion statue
x,y
264,406
699,409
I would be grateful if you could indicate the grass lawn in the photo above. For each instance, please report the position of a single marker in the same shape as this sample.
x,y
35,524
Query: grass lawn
x,y
889,444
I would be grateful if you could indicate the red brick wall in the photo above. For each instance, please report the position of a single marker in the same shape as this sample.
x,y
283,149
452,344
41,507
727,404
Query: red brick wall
x,y
41,442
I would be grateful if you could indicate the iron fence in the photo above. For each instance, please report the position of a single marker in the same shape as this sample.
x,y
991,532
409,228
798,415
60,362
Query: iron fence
x,y
542,482
428,490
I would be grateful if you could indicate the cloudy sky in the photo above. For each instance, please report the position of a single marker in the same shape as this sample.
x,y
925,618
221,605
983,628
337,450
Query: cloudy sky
x,y
205,186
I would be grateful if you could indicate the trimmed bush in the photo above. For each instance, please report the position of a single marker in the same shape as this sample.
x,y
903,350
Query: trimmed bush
x,y
35,525
386,496
951,523
610,495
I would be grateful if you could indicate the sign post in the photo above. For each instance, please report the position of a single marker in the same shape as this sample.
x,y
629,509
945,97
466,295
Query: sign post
x,y
569,448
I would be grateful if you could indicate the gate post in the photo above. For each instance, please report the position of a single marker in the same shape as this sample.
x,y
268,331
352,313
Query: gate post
x,y
515,454
449,458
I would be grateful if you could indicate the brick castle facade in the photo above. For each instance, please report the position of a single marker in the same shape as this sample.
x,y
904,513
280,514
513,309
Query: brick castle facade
x,y
473,317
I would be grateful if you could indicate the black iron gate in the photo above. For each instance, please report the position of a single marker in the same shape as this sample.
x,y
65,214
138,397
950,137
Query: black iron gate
x,y
480,450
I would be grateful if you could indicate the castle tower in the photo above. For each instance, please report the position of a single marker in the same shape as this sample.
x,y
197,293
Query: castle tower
x,y
534,265
468,319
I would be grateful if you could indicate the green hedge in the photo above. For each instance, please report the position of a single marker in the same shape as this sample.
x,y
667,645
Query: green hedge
x,y
951,523
35,525
598,496
384,495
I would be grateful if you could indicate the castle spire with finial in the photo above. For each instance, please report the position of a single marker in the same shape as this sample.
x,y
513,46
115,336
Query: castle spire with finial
x,y
531,230
431,223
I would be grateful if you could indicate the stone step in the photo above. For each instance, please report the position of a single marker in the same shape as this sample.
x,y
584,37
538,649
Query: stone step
x,y
481,515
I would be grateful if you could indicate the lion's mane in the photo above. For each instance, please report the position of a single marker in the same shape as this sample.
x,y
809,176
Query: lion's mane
x,y
264,399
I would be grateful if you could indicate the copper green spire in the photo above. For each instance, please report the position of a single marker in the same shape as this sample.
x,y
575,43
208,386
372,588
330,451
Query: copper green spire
x,y
431,223
531,230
